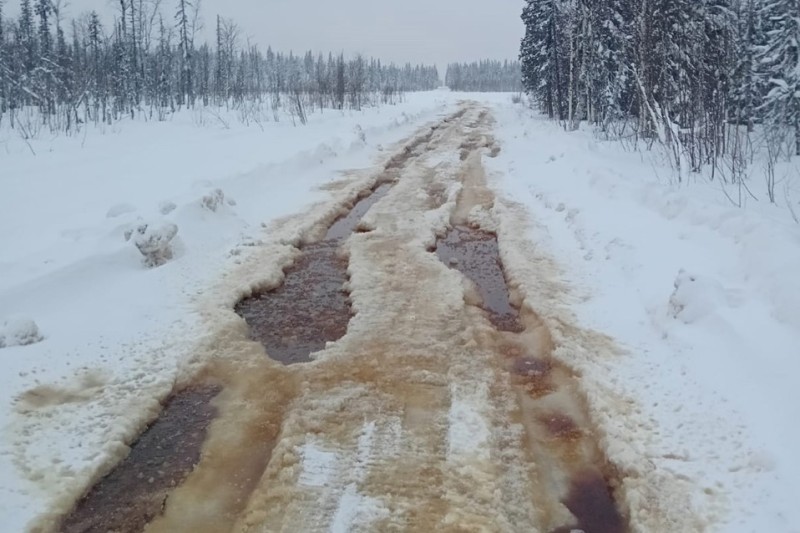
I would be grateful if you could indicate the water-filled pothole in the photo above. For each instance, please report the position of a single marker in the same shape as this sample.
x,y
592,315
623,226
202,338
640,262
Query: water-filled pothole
x,y
558,442
591,503
475,254
136,491
311,307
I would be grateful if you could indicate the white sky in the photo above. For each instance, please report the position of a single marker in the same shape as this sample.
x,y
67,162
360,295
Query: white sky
x,y
429,31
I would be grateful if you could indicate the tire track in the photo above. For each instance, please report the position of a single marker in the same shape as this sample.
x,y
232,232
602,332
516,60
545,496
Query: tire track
x,y
430,405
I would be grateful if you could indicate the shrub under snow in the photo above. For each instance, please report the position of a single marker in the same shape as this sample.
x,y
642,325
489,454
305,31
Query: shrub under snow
x,y
696,297
213,200
19,332
154,241
166,207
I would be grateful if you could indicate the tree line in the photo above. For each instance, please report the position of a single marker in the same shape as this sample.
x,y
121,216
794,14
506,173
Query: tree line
x,y
484,76
70,72
697,75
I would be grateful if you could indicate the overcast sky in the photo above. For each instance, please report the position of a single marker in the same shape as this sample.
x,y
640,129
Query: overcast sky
x,y
430,31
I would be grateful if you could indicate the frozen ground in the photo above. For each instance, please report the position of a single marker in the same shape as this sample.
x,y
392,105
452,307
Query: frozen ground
x,y
678,313
703,297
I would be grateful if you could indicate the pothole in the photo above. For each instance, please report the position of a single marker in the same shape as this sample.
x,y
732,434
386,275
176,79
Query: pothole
x,y
475,254
311,307
590,501
136,491
572,493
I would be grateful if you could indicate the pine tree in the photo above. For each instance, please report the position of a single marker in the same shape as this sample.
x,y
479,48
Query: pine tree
x,y
540,55
4,70
186,45
779,59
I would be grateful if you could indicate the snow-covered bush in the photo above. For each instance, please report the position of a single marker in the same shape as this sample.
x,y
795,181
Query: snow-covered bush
x,y
166,207
154,241
696,297
213,200
19,332
360,134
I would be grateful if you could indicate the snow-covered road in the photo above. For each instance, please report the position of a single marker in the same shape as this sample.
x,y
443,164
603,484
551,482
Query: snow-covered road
x,y
538,401
423,412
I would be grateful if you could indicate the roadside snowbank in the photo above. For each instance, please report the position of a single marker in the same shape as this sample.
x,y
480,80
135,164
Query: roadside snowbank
x,y
703,296
116,331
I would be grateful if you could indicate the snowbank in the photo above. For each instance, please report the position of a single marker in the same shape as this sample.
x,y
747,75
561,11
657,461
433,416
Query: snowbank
x,y
66,262
702,296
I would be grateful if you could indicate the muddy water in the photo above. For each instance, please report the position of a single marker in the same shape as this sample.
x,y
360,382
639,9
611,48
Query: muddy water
x,y
560,445
135,492
311,307
591,503
476,255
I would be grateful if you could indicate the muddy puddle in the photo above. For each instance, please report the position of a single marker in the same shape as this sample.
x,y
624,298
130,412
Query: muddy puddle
x,y
590,501
311,307
558,432
475,254
136,491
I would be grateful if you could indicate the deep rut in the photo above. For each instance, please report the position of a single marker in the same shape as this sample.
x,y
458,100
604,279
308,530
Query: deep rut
x,y
427,397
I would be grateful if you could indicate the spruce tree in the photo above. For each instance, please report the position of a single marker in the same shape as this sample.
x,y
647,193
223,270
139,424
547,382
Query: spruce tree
x,y
779,59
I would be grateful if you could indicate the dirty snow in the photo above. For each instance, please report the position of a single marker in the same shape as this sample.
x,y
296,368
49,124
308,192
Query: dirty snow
x,y
66,263
687,364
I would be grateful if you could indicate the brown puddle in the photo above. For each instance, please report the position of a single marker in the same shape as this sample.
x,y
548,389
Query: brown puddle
x,y
560,444
475,254
136,490
591,502
311,307
560,426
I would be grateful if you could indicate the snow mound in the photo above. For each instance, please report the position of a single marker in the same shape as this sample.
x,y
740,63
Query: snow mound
x,y
696,297
165,208
154,241
119,210
214,200
19,332
324,152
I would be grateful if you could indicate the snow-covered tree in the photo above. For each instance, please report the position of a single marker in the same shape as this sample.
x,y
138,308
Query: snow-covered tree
x,y
779,62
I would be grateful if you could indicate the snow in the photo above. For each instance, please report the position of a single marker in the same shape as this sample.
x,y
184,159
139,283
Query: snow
x,y
468,429
702,298
117,334
154,241
679,312
18,332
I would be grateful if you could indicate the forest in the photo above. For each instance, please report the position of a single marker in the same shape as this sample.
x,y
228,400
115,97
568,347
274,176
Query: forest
x,y
715,81
484,76
58,74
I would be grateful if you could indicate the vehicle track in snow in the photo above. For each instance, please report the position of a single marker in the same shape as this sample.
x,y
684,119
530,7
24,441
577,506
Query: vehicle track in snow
x,y
430,401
